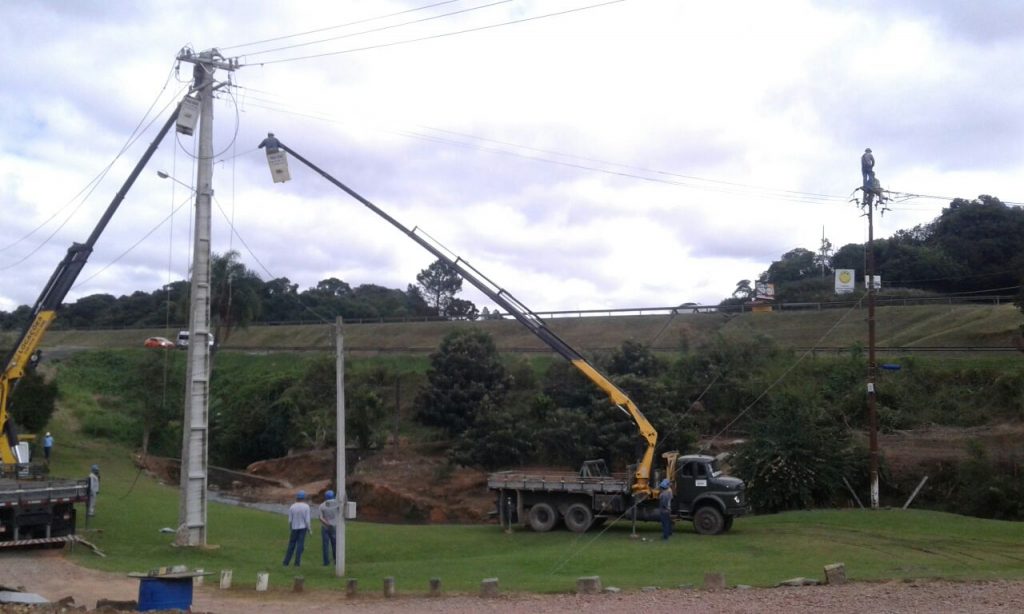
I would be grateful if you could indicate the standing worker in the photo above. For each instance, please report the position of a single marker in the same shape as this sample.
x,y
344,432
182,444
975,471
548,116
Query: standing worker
x,y
867,167
665,509
94,489
298,521
47,446
329,511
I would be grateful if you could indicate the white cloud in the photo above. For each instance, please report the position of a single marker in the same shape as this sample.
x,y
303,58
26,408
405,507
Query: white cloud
x,y
597,132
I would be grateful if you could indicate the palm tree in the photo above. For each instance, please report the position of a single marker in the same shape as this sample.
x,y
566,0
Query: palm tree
x,y
235,296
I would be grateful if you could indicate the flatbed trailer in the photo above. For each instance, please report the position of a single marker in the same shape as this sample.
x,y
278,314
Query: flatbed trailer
x,y
38,509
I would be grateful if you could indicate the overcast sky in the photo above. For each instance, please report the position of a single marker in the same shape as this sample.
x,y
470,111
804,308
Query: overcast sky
x,y
629,154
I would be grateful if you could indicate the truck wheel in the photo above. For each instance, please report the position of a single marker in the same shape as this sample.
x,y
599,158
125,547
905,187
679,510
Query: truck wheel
x,y
542,517
708,521
578,518
728,523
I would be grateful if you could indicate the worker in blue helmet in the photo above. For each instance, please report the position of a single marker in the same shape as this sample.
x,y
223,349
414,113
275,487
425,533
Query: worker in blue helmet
x,y
330,509
665,508
299,523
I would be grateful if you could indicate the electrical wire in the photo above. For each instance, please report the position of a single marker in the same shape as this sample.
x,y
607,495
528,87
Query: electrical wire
x,y
380,29
94,183
343,25
437,36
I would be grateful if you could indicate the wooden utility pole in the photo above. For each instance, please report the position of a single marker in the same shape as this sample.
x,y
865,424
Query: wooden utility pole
x,y
195,425
339,557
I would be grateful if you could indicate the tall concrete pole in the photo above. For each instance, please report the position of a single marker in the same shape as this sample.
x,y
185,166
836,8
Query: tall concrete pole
x,y
195,426
339,562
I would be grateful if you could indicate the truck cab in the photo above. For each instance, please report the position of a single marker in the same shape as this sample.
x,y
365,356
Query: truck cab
x,y
705,495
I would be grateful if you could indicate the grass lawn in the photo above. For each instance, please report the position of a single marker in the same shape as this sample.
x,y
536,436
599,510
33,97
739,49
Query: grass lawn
x,y
759,551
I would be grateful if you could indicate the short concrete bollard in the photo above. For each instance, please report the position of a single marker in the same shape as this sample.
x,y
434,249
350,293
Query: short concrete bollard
x,y
714,581
389,586
588,585
489,587
298,584
835,573
435,587
199,579
351,587
262,581
225,578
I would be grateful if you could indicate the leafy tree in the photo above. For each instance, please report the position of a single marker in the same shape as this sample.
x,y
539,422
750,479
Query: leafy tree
x,y
155,388
744,290
465,375
460,309
796,264
280,299
498,437
634,358
235,297
796,458
440,283
33,402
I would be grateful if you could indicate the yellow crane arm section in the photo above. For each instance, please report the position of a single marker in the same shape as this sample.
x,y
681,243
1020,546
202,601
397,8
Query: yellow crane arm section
x,y
642,477
15,369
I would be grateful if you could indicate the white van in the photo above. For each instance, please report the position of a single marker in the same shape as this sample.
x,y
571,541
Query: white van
x,y
182,341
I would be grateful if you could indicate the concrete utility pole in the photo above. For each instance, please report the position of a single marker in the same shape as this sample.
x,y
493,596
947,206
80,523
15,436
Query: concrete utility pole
x,y
195,425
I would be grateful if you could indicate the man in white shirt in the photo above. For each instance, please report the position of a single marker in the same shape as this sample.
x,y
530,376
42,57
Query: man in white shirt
x,y
298,521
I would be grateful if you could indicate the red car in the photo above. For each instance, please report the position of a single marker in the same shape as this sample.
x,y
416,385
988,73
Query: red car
x,y
159,343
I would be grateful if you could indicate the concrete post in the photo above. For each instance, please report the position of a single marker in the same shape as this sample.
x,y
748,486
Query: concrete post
x,y
262,581
351,587
389,587
435,587
588,585
225,578
489,587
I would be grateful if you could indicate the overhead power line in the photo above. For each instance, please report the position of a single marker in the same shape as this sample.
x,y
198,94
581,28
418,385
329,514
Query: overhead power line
x,y
380,29
341,25
442,35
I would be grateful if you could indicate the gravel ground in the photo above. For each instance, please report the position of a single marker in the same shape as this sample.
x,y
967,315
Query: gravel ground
x,y
52,576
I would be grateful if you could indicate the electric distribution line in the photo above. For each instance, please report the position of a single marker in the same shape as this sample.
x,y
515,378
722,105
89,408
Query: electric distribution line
x,y
93,184
372,30
341,25
436,36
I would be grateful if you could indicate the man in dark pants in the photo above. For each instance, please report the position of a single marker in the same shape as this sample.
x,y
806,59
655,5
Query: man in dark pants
x,y
329,512
867,166
665,509
298,521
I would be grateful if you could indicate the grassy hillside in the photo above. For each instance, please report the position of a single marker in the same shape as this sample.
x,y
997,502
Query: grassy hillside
x,y
918,326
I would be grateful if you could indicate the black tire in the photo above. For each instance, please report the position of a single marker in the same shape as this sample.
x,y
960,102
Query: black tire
x,y
578,518
708,521
542,517
728,523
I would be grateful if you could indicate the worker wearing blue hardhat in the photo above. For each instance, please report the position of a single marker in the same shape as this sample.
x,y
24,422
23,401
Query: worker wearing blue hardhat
x,y
299,523
329,510
665,508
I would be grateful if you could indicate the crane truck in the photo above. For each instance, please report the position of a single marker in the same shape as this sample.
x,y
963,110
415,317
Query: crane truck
x,y
36,508
586,498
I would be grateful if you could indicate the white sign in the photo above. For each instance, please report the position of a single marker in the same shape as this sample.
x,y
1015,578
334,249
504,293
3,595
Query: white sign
x,y
876,282
845,281
764,291
701,483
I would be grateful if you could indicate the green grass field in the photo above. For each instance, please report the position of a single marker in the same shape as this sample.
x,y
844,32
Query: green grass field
x,y
760,551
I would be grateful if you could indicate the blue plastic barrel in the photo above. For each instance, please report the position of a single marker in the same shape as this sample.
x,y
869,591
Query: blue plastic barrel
x,y
165,594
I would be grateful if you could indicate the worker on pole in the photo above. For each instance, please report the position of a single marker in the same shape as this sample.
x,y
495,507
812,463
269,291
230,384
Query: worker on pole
x,y
867,167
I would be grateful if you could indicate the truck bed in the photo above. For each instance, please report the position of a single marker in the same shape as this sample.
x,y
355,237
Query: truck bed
x,y
557,482
36,492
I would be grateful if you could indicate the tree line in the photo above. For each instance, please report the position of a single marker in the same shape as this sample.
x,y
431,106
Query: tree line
x,y
239,297
973,246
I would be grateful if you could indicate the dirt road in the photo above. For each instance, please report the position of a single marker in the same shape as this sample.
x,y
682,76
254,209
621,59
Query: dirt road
x,y
52,576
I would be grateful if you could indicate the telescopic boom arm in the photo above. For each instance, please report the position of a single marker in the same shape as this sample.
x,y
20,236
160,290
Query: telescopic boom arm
x,y
529,319
45,309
